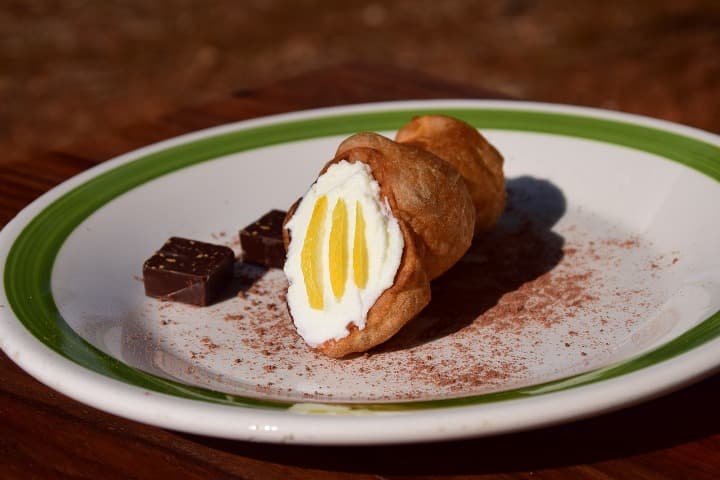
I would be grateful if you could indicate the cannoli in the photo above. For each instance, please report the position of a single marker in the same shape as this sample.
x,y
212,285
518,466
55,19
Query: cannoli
x,y
461,145
382,220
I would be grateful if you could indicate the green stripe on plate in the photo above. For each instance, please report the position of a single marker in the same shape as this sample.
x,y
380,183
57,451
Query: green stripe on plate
x,y
30,260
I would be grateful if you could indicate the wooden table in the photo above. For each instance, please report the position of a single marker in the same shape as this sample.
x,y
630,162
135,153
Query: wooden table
x,y
44,434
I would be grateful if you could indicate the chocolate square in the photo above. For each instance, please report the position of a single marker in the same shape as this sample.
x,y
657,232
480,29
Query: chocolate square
x,y
188,271
262,242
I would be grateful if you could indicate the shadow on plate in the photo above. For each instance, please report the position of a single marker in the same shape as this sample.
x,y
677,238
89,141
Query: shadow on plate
x,y
521,248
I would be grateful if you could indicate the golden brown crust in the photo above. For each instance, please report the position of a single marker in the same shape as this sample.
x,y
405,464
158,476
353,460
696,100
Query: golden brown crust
x,y
461,145
436,217
429,195
435,201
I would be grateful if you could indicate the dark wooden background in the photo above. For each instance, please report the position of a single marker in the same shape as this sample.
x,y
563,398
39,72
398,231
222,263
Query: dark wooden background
x,y
72,69
44,434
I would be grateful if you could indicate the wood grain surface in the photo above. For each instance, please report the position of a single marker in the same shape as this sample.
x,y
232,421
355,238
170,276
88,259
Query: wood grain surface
x,y
44,434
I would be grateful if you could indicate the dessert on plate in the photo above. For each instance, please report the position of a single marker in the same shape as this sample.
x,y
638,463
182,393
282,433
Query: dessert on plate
x,y
381,221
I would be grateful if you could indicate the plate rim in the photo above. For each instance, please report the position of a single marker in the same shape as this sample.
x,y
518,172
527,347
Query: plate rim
x,y
10,329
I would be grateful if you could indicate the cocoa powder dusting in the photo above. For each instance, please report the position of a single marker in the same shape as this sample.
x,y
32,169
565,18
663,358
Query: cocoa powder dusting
x,y
528,299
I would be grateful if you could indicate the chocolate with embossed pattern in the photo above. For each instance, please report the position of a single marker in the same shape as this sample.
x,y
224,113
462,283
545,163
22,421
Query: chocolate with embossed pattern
x,y
188,271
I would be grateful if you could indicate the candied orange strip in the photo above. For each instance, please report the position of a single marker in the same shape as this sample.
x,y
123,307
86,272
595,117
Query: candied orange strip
x,y
311,255
360,254
338,257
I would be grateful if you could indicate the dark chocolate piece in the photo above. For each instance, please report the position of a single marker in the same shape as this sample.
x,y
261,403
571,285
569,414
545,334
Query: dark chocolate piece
x,y
188,271
262,242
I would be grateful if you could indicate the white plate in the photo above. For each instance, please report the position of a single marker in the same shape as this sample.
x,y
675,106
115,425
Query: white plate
x,y
600,287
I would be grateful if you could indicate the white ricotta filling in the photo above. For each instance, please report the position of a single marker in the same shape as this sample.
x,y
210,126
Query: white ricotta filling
x,y
353,183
